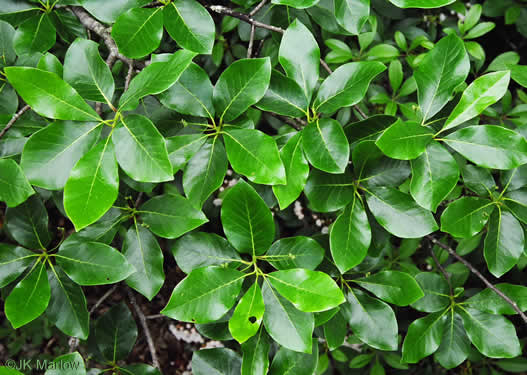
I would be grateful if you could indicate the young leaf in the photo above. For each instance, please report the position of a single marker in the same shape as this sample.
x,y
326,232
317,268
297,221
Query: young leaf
x,y
299,55
295,252
48,95
423,337
404,140
288,361
13,261
28,223
248,315
255,360
170,216
190,25
116,333
247,221
284,97
14,187
36,34
205,295
326,146
444,68
465,217
424,4
484,91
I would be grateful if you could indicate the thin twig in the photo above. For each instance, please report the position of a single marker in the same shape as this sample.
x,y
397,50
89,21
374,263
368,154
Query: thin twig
x,y
257,8
103,298
442,269
244,17
251,42
128,76
156,316
294,122
14,119
142,320
473,269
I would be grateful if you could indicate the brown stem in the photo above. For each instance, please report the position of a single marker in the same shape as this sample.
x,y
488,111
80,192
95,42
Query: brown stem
x,y
257,8
443,271
473,269
251,42
244,17
14,119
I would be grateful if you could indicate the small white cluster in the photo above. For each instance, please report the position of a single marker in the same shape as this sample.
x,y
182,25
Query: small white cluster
x,y
187,334
299,210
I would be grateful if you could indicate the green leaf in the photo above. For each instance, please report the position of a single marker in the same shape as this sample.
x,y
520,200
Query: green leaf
x,y
335,331
141,150
295,252
28,223
13,261
307,290
352,15
296,170
205,295
200,249
216,361
455,345
326,146
190,25
399,214
142,251
369,128
116,333
241,85
371,320
423,337
465,217
423,4
92,186
191,94
489,146
404,140
36,34
488,301
92,263
516,202
519,74
346,86
328,192
255,360
7,51
444,68
350,236
48,95
50,154
67,306
67,364
156,78
395,287
289,327
284,96
138,31
170,216
299,55
205,172
86,72
493,335
254,154
479,30
30,297
435,174
292,362
435,288
483,92
181,148
248,315
298,4
247,221
14,187
504,242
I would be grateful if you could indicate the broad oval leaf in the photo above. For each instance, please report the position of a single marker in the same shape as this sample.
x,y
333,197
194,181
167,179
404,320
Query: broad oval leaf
x,y
288,361
248,315
220,360
328,192
284,96
36,34
181,148
14,186
455,344
116,333
28,223
404,140
423,337
488,301
465,217
295,252
13,261
425,4
395,287
352,15
436,292
255,359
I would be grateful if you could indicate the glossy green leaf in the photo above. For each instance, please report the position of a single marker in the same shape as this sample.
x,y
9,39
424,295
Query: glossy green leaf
x,y
371,320
13,261
30,297
465,217
299,55
255,155
241,85
444,68
296,170
28,223
490,146
395,287
14,186
350,236
92,186
369,128
67,306
284,97
404,140
67,364
516,202
48,95
216,361
488,301
455,345
299,4
295,252
190,25
205,295
399,214
434,174
335,331
288,361
92,263
141,150
326,146
7,51
181,148
504,242
142,251
36,34
423,337
248,315
116,333
138,31
519,74
51,63
247,221
156,78
50,154
421,3
329,192
255,360
346,86
352,15
483,92
170,216
289,327
307,290
436,292
205,172
86,72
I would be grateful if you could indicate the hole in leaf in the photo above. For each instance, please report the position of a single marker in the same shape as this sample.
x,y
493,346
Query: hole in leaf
x,y
252,319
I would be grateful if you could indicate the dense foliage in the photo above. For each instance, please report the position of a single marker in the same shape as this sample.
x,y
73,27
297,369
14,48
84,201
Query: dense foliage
x,y
343,183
